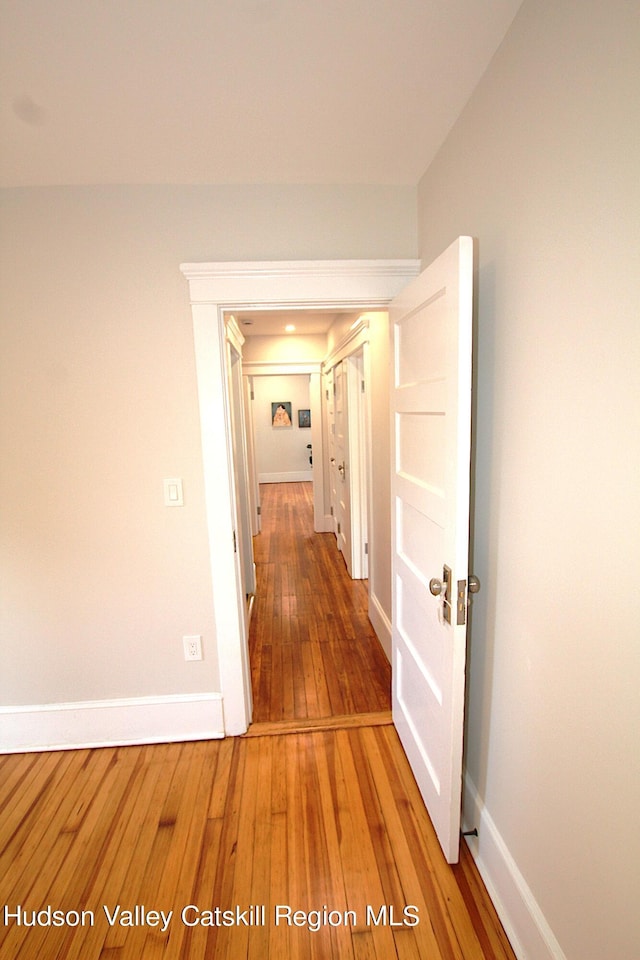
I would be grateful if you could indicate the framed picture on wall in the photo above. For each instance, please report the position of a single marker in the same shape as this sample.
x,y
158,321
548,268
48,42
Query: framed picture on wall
x,y
304,418
281,414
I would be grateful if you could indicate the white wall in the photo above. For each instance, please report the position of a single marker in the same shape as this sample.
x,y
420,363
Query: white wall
x,y
281,452
380,535
543,168
100,580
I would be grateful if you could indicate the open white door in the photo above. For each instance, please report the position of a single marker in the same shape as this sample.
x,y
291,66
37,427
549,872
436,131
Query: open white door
x,y
431,324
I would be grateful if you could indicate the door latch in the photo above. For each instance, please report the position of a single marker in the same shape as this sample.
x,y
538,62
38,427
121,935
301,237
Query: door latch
x,y
442,588
464,597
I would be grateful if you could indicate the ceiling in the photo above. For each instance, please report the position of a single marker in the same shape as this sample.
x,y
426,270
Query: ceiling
x,y
273,323
236,91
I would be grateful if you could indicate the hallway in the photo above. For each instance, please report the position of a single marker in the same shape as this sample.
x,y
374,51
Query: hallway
x,y
313,651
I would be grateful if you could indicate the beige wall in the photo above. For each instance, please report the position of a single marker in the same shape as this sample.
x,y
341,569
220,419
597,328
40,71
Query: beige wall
x,y
310,348
100,580
281,450
380,545
543,168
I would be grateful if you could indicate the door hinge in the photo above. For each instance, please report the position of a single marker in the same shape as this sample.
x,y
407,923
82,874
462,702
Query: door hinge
x,y
331,511
259,510
366,549
363,386
338,526
235,545
253,396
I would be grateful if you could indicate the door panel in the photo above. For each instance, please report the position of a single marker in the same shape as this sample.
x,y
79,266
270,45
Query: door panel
x,y
431,323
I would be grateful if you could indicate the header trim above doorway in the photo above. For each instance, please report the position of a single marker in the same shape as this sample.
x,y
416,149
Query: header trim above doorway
x,y
299,283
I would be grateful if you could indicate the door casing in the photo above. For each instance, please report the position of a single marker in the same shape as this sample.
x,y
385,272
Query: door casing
x,y
216,289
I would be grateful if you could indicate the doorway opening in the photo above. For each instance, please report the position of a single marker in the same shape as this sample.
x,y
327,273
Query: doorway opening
x,y
217,289
312,648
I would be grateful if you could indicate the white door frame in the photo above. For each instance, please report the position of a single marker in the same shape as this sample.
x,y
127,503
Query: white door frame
x,y
359,454
216,289
240,434
354,351
254,486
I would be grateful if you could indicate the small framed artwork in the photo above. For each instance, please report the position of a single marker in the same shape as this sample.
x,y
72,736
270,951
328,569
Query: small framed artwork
x,y
281,414
304,418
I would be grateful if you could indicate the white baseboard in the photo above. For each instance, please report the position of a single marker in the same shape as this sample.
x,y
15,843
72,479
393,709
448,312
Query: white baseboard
x,y
292,476
106,723
325,524
381,624
525,925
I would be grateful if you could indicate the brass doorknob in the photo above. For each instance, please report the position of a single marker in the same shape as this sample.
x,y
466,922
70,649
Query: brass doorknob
x,y
474,584
435,586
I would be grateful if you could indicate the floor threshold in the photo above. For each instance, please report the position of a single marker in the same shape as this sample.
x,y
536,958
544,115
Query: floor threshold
x,y
277,728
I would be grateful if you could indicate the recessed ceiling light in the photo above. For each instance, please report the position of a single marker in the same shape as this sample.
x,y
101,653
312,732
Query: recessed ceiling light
x,y
290,327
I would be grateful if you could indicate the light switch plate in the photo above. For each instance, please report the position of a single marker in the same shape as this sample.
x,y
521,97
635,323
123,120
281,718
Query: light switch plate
x,y
173,492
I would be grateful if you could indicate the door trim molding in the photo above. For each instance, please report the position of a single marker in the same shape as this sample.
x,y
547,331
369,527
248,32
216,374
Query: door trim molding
x,y
276,368
349,344
216,288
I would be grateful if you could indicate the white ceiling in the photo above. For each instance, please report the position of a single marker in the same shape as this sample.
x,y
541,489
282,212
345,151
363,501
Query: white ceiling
x,y
236,91
273,323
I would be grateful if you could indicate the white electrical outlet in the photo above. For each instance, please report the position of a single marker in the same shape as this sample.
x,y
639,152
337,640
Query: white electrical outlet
x,y
192,648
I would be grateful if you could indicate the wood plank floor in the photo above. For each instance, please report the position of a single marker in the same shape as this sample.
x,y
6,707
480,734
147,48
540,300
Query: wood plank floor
x,y
306,839
325,821
313,650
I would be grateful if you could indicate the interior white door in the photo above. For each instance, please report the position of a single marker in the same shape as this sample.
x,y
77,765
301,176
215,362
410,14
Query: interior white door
x,y
343,482
431,324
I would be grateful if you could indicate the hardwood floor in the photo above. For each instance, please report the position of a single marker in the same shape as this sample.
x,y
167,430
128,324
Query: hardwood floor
x,y
313,651
323,821
306,839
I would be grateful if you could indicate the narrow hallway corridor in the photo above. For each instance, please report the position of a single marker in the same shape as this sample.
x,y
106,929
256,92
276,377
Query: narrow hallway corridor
x,y
313,651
